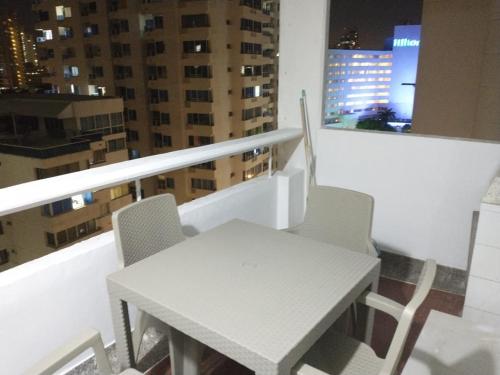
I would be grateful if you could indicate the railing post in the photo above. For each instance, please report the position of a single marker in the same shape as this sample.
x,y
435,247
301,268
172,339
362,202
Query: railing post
x,y
138,192
270,162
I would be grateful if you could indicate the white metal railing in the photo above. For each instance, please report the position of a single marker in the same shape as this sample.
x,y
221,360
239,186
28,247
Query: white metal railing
x,y
36,193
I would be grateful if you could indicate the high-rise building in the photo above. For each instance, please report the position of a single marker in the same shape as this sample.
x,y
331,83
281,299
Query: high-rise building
x,y
12,72
191,73
357,85
19,67
48,135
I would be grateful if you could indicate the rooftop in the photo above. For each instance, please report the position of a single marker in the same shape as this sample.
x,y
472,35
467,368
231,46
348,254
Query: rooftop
x,y
43,148
47,105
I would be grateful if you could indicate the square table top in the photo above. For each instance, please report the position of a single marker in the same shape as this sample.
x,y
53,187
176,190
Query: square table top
x,y
243,287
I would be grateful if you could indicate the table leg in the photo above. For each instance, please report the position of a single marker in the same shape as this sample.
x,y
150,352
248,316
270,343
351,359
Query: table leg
x,y
193,351
176,351
365,317
123,337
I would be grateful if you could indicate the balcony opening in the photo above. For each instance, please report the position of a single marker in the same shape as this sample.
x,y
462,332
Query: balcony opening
x,y
371,65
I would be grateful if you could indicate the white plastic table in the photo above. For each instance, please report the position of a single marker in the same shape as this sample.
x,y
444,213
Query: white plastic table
x,y
259,296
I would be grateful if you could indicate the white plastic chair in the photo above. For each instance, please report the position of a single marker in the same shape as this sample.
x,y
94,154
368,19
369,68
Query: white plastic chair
x,y
340,217
88,339
337,354
142,229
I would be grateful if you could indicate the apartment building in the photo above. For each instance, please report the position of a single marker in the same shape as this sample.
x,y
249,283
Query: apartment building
x,y
190,73
48,135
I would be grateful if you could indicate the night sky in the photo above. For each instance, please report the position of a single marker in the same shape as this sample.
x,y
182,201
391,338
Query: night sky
x,y
374,19
22,9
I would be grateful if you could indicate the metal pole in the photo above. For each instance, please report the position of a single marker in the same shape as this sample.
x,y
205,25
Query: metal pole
x,y
270,162
138,193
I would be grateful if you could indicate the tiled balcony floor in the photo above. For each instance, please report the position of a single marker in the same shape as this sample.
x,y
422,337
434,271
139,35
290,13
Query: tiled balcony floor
x,y
216,364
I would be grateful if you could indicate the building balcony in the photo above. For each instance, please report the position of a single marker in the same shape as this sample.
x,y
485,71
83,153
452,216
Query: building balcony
x,y
421,190
195,33
428,193
200,107
193,6
254,14
247,81
199,83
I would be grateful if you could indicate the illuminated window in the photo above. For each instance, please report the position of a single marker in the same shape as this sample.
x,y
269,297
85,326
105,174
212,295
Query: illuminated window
x,y
368,94
43,35
65,32
62,12
378,101
118,191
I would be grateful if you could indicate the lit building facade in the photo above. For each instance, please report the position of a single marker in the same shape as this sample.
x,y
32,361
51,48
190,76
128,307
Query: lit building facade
x,y
405,50
358,85
361,83
190,73
12,72
44,136
18,57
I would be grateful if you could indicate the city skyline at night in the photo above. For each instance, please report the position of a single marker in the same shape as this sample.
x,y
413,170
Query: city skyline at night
x,y
374,22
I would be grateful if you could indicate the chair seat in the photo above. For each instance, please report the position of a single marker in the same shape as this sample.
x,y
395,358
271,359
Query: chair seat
x,y
337,354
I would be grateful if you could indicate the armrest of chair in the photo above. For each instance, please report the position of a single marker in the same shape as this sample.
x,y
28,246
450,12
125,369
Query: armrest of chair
x,y
381,303
58,358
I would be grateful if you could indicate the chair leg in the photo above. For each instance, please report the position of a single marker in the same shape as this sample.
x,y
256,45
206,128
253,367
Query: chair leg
x,y
354,317
141,322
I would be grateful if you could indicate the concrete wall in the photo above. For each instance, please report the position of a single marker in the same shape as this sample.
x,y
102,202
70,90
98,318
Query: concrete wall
x,y
453,44
425,188
488,110
303,47
46,302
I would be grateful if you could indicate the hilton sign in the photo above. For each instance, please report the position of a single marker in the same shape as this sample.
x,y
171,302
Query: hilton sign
x,y
405,42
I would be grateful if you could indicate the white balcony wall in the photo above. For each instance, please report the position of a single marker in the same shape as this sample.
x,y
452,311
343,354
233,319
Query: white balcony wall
x,y
425,188
45,302
303,46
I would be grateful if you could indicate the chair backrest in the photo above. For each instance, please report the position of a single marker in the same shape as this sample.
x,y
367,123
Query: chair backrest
x,y
146,227
338,216
403,329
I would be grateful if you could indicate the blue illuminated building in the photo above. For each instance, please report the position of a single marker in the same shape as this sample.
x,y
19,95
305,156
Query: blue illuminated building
x,y
404,70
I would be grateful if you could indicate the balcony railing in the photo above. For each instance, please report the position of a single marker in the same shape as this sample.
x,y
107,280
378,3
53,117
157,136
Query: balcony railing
x,y
36,193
